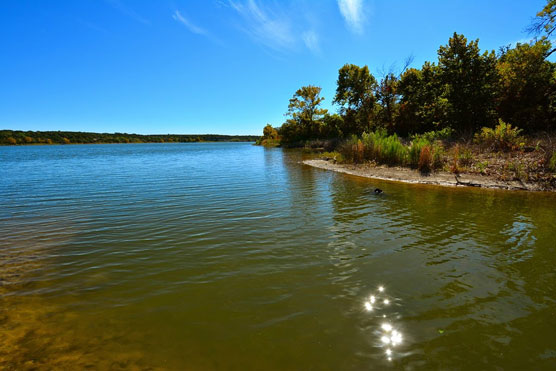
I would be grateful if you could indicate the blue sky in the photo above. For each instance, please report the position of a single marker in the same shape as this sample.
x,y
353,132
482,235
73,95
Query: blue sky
x,y
214,66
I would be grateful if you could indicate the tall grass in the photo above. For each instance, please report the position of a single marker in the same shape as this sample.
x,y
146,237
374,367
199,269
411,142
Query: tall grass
x,y
386,149
415,149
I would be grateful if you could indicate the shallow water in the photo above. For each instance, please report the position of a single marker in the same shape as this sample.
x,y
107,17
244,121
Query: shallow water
x,y
231,256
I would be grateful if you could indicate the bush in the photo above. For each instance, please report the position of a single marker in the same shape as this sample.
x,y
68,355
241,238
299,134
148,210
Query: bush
x,y
503,137
454,167
415,150
425,159
437,156
352,150
269,132
432,136
465,157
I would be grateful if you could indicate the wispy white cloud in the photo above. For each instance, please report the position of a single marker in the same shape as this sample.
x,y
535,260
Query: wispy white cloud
x,y
311,40
187,23
118,5
352,11
265,26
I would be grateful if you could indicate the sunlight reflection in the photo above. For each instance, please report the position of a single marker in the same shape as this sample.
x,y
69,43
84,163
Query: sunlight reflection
x,y
389,334
386,327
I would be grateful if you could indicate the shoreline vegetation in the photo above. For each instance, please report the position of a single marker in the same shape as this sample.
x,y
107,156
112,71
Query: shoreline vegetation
x,y
18,137
484,115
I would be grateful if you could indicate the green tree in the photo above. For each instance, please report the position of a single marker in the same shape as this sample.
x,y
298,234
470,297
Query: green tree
x,y
423,105
527,96
355,95
388,101
305,114
470,80
269,132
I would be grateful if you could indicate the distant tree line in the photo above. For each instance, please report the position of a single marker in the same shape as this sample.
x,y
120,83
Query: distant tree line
x,y
12,137
464,90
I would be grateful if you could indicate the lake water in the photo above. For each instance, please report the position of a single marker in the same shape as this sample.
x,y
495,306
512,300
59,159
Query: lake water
x,y
228,256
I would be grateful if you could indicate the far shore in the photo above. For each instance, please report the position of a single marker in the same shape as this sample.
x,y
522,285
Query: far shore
x,y
406,175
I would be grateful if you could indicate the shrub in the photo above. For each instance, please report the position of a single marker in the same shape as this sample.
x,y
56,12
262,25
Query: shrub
x,y
415,150
269,132
352,150
465,157
437,156
435,135
425,159
454,167
334,156
503,137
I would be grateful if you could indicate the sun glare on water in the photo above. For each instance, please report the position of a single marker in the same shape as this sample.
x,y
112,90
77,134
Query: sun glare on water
x,y
389,335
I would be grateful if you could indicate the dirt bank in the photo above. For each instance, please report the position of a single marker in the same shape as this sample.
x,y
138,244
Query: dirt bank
x,y
406,175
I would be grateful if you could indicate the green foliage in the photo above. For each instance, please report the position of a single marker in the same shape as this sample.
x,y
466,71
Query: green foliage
x,y
269,132
415,149
306,116
470,80
355,95
482,166
332,126
528,86
352,150
503,137
465,157
464,90
432,136
423,106
388,101
383,148
437,156
270,137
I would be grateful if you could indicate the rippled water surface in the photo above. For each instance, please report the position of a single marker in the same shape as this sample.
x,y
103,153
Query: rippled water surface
x,y
231,256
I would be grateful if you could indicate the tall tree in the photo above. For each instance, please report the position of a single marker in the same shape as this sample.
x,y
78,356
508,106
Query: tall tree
x,y
305,114
355,95
423,103
388,100
527,95
471,80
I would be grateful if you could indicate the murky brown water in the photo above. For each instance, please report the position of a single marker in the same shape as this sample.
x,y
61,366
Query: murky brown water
x,y
231,256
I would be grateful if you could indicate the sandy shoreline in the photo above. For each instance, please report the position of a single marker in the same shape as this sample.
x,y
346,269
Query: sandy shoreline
x,y
406,175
